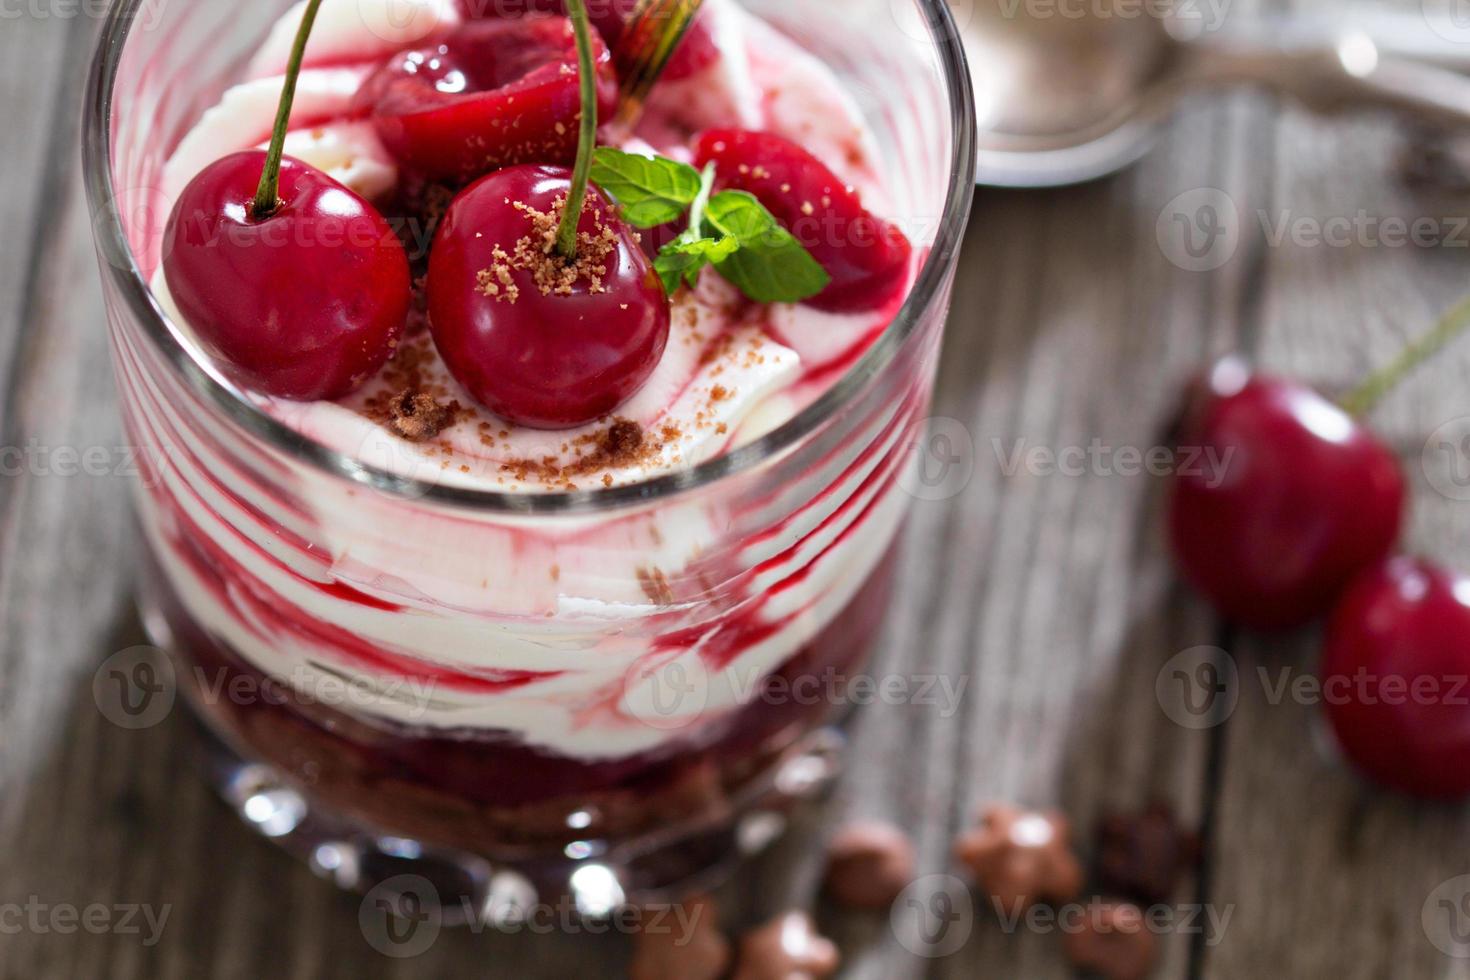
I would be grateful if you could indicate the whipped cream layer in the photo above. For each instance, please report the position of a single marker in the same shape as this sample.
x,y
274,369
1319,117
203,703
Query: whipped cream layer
x,y
547,630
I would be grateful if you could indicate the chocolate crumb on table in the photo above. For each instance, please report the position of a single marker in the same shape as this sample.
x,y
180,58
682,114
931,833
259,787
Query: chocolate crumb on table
x,y
1145,855
1021,857
787,946
869,864
680,942
1113,942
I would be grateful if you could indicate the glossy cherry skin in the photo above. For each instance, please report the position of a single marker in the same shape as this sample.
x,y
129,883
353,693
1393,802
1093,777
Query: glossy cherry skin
x,y
1279,498
697,50
1394,669
867,258
495,93
548,360
306,303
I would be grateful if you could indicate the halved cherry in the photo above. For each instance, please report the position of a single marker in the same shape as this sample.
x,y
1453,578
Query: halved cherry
x,y
867,258
696,51
495,93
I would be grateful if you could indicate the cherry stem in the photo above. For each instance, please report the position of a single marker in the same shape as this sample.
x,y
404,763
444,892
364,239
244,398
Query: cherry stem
x,y
267,195
566,234
1370,392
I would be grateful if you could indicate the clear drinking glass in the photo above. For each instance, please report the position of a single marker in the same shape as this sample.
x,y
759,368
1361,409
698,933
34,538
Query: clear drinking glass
x,y
523,697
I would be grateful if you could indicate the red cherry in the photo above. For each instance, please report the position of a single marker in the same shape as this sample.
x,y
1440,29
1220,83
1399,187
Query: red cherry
x,y
867,257
493,94
1280,498
545,359
697,50
305,303
1396,656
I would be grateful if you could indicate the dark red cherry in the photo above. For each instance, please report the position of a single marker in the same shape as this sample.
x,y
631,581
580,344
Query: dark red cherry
x,y
535,342
1395,663
867,258
495,93
1279,498
305,303
697,50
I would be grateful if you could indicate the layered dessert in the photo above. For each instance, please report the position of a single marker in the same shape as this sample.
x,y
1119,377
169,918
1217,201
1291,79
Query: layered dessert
x,y
511,678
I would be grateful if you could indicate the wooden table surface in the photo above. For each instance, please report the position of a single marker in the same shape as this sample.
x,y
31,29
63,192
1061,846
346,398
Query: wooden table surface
x,y
1077,316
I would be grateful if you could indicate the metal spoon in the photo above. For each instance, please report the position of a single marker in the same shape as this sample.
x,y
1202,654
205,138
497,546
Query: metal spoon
x,y
1065,98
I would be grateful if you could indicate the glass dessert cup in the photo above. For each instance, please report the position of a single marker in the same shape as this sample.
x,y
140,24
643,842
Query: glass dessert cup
x,y
606,695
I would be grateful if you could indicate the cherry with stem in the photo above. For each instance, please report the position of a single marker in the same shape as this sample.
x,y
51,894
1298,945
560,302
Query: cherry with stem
x,y
296,285
541,301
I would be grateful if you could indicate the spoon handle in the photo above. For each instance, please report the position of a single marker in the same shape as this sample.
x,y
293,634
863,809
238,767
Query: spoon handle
x,y
1332,69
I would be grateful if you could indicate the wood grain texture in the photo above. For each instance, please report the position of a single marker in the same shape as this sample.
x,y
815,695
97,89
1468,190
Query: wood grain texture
x,y
1049,596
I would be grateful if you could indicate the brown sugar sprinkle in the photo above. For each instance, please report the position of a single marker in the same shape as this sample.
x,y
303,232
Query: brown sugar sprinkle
x,y
497,281
536,253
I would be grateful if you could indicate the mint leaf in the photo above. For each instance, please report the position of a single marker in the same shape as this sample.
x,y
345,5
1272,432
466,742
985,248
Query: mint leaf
x,y
770,265
682,259
650,190
731,230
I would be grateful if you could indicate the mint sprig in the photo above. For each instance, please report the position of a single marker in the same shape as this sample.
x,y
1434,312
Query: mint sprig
x,y
731,230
